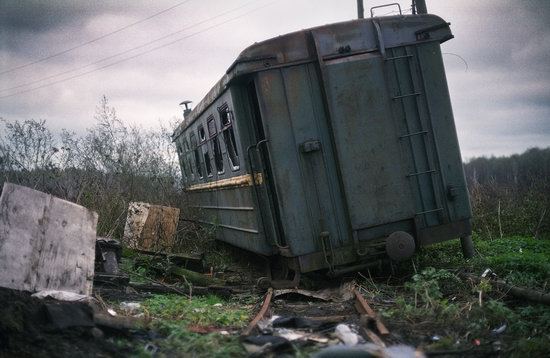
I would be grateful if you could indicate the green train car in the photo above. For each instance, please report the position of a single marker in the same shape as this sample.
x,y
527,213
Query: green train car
x,y
331,148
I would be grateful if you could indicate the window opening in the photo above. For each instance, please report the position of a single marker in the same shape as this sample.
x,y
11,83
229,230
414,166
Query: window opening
x,y
226,120
218,159
181,157
187,158
197,155
211,124
207,159
202,134
204,149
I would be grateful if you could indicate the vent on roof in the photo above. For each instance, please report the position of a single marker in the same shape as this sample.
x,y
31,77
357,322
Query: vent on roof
x,y
186,108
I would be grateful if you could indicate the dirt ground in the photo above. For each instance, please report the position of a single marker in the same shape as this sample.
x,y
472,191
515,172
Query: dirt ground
x,y
28,330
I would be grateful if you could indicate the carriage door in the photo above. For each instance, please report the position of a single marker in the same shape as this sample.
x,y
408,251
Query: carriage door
x,y
260,165
301,160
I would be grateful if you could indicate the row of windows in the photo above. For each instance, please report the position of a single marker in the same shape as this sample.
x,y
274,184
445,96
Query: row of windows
x,y
196,154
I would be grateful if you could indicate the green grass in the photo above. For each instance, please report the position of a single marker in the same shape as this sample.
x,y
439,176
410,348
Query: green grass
x,y
177,341
173,317
204,311
522,261
437,302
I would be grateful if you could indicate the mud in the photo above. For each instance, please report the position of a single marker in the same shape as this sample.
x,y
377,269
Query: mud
x,y
28,330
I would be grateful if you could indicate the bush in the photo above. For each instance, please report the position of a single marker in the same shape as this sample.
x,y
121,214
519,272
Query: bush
x,y
103,170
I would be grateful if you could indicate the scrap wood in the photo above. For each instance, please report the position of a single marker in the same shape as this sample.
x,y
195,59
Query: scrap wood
x,y
119,323
363,307
162,284
197,290
260,314
195,263
328,319
195,277
519,292
373,337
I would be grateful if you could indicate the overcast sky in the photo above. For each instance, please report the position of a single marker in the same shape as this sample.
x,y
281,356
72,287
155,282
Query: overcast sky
x,y
501,99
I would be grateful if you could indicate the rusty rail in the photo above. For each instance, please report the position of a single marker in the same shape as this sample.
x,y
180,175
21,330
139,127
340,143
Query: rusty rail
x,y
260,314
361,305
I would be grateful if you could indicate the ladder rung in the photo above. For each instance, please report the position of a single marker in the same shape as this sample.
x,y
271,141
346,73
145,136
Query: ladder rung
x,y
398,57
413,134
429,211
420,173
407,95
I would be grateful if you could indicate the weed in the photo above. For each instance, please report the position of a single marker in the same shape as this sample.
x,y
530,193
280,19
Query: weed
x,y
179,342
427,285
522,261
173,315
204,311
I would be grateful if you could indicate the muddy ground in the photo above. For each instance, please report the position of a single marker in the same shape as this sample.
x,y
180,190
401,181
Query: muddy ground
x,y
424,303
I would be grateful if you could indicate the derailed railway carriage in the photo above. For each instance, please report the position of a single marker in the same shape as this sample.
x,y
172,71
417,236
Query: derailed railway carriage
x,y
331,148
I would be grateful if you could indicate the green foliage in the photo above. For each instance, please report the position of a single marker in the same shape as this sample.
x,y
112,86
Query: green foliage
x,y
173,315
522,261
177,341
531,346
511,195
434,298
103,170
427,285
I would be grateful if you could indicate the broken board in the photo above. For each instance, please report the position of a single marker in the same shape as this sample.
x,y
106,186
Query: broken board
x,y
151,227
46,243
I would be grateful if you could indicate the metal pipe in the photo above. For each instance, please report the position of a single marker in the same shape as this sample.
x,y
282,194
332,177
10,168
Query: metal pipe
x,y
421,6
360,10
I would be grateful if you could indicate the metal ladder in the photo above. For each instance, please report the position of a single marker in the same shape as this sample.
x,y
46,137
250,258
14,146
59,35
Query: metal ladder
x,y
422,132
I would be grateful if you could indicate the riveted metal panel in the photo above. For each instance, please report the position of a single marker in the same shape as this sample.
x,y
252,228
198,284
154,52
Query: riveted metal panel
x,y
375,182
316,160
285,161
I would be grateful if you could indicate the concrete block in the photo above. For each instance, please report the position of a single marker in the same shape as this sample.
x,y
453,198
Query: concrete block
x,y
46,243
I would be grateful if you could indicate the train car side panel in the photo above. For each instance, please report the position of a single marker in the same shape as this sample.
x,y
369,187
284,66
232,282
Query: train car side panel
x,y
375,181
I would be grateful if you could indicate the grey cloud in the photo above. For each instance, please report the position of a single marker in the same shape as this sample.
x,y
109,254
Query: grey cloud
x,y
38,16
501,104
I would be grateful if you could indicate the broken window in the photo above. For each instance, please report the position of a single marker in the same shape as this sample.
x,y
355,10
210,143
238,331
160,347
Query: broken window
x,y
187,160
226,120
207,159
202,134
218,159
181,156
205,152
197,155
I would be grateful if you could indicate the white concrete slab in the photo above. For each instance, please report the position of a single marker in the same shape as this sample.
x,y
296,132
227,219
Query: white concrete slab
x,y
46,243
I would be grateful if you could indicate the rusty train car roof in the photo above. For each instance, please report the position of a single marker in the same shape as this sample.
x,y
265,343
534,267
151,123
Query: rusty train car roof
x,y
327,42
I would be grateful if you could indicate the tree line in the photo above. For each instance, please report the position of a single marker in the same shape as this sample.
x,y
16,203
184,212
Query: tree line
x,y
103,169
113,163
510,195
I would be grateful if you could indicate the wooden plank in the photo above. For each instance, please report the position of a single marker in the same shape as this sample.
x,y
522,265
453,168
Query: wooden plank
x,y
151,227
45,243
362,306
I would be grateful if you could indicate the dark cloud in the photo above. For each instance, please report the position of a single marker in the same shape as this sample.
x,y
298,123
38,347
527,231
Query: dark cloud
x,y
501,104
37,16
